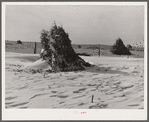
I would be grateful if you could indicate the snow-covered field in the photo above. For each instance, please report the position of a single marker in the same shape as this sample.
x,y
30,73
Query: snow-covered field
x,y
113,82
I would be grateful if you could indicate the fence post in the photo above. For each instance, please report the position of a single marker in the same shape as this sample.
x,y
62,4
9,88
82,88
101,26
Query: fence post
x,y
35,48
99,51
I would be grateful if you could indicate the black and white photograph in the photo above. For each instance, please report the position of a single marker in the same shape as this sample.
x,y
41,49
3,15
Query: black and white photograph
x,y
74,59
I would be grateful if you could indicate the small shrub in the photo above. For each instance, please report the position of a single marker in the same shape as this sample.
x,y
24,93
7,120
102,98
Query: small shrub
x,y
19,42
79,46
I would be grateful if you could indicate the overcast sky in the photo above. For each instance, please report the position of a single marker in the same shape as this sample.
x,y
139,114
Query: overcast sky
x,y
84,24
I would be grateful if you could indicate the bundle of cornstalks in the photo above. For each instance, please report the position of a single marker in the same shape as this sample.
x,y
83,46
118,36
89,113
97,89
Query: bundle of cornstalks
x,y
59,52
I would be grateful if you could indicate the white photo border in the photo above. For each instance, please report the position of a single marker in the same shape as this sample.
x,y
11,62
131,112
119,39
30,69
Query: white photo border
x,y
68,114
